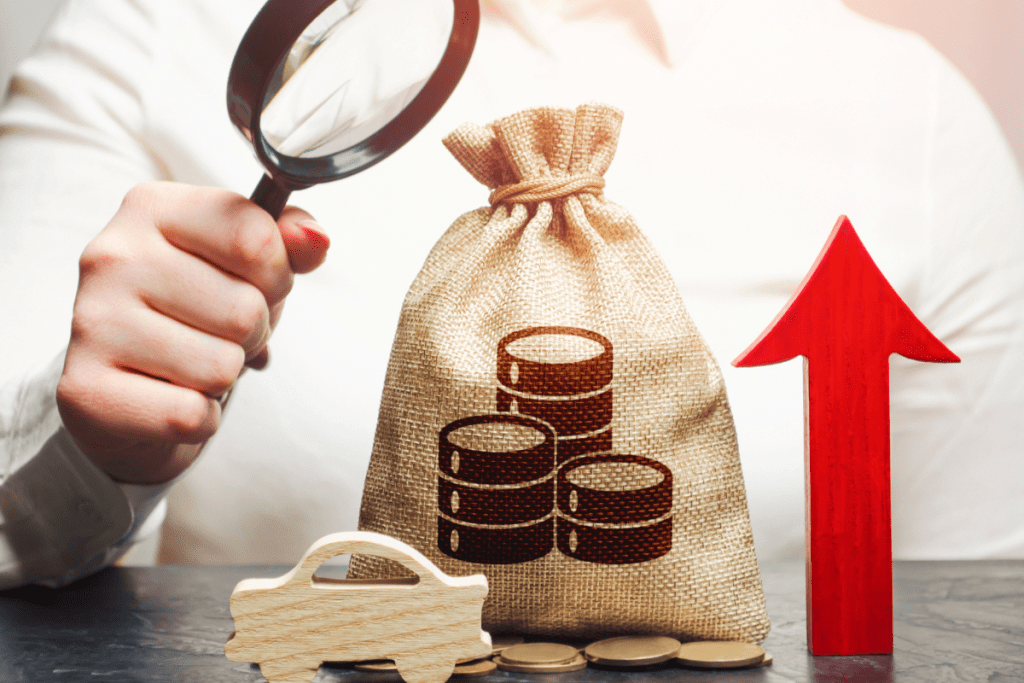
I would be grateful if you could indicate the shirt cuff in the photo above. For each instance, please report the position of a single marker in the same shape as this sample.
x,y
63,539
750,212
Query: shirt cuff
x,y
60,514
61,517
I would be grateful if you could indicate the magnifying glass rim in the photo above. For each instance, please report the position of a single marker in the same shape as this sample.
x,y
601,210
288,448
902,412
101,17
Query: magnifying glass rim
x,y
265,46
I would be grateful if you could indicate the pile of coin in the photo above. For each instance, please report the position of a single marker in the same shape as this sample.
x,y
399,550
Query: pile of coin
x,y
711,654
510,653
630,652
467,669
548,658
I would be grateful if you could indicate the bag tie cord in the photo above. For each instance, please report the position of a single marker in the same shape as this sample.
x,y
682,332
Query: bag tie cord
x,y
541,189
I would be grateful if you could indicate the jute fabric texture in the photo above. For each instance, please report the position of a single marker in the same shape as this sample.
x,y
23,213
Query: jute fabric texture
x,y
551,416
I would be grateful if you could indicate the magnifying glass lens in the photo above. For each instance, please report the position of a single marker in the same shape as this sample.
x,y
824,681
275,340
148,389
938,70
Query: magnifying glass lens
x,y
353,70
324,89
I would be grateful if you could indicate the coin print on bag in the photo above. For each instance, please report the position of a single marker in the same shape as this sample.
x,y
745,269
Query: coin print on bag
x,y
499,448
614,509
569,416
562,375
543,464
506,505
570,447
495,544
616,489
555,361
612,543
496,489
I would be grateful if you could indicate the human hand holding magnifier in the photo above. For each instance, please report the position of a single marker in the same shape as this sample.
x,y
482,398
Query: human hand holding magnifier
x,y
323,89
326,88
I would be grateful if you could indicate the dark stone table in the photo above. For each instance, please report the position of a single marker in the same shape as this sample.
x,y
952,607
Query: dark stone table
x,y
955,621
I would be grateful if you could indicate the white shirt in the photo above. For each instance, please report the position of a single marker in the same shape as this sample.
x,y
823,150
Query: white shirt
x,y
750,126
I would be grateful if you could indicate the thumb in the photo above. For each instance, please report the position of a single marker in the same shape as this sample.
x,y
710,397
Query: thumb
x,y
305,241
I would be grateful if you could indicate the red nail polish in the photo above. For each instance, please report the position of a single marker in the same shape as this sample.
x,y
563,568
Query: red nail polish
x,y
315,234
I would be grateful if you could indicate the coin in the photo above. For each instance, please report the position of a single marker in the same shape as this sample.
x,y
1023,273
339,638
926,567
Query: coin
x,y
720,654
539,653
629,651
479,667
377,666
575,664
502,643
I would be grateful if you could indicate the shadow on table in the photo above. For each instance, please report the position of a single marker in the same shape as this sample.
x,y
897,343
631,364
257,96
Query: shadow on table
x,y
866,668
85,600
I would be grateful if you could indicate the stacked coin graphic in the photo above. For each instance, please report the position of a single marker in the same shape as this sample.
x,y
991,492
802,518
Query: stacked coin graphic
x,y
614,509
496,489
563,376
501,476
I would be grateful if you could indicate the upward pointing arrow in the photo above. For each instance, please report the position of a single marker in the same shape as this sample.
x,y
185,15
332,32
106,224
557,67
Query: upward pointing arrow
x,y
846,320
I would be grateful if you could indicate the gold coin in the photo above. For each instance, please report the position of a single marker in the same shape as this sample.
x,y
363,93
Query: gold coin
x,y
479,667
575,664
632,650
720,654
377,666
539,653
502,643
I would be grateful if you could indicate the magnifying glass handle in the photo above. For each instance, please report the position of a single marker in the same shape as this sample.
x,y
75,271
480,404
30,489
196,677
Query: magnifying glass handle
x,y
270,196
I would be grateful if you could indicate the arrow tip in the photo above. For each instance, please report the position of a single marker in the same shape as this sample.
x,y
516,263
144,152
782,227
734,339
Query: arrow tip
x,y
826,292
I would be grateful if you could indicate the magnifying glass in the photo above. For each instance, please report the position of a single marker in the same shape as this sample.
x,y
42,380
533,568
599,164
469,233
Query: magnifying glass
x,y
324,89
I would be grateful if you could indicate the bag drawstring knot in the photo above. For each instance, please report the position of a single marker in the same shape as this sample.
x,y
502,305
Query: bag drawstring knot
x,y
541,189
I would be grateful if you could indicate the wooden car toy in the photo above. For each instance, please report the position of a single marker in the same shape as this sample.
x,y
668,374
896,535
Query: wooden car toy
x,y
292,624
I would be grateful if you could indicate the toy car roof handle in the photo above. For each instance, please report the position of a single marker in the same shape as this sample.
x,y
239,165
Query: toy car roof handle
x,y
365,543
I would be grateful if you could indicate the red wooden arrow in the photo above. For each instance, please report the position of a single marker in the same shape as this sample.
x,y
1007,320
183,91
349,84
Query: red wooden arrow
x,y
846,319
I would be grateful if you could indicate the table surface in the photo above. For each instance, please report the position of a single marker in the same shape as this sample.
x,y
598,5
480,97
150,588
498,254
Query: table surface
x,y
954,621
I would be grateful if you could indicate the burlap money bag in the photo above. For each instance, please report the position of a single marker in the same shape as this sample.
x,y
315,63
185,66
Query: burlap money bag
x,y
551,416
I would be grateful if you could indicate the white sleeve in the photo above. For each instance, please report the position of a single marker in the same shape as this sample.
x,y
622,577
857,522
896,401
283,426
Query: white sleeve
x,y
958,430
72,142
61,517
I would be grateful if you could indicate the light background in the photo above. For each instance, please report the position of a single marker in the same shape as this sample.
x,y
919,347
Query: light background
x,y
21,22
983,38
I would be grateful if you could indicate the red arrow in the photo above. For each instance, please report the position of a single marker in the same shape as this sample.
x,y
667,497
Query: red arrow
x,y
846,319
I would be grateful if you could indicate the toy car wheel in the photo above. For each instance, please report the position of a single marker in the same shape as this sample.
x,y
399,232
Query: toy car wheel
x,y
415,670
288,671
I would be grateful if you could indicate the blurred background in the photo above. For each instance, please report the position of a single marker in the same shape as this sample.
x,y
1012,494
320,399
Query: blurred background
x,y
983,38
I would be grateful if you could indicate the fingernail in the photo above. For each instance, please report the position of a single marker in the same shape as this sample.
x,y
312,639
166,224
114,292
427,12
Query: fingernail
x,y
260,360
315,233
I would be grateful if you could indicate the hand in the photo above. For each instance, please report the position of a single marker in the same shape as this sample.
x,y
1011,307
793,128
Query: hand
x,y
176,295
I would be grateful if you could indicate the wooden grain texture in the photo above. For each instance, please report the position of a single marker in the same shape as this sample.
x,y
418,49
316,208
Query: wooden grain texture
x,y
291,624
846,320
